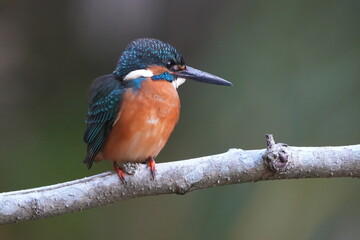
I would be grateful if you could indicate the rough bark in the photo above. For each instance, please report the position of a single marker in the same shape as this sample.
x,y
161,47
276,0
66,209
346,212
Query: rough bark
x,y
278,161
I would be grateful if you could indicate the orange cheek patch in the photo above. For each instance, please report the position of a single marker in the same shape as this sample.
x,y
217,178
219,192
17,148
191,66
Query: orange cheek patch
x,y
157,70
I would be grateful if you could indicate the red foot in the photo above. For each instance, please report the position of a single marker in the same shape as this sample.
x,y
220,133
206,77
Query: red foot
x,y
119,171
151,164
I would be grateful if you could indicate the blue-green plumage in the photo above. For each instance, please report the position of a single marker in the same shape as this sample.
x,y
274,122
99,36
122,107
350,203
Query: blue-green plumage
x,y
104,103
164,76
144,52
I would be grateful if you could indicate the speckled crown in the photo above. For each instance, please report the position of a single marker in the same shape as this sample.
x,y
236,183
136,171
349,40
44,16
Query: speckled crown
x,y
141,53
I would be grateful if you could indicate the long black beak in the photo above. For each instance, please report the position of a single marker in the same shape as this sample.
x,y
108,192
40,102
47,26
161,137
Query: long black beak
x,y
200,76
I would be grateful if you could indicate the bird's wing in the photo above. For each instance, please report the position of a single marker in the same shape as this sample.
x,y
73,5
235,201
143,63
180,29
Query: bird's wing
x,y
104,102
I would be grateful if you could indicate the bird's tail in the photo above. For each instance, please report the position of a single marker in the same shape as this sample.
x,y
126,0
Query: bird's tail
x,y
89,159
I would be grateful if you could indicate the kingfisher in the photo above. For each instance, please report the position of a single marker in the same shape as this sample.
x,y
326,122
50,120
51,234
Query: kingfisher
x,y
133,110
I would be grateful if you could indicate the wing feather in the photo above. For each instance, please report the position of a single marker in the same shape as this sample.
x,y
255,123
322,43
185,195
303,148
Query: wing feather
x,y
104,103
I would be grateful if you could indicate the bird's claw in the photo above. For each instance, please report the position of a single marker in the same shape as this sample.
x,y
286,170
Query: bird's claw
x,y
151,164
119,172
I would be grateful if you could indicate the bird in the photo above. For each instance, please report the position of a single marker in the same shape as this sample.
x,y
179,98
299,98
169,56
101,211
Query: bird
x,y
133,110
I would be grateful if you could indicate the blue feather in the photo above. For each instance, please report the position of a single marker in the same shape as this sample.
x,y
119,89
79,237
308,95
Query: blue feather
x,y
104,102
141,53
164,76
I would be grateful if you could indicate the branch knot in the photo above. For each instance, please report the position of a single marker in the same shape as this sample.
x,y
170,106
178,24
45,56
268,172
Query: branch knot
x,y
275,157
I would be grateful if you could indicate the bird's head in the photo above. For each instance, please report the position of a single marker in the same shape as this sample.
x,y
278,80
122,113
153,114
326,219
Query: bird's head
x,y
147,57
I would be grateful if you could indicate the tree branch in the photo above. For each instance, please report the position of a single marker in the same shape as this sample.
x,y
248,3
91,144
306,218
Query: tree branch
x,y
278,161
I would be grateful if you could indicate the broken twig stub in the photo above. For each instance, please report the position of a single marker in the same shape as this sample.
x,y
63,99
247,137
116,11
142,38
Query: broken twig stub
x,y
276,156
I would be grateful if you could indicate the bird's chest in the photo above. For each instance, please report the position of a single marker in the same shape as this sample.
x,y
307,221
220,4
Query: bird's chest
x,y
146,118
155,103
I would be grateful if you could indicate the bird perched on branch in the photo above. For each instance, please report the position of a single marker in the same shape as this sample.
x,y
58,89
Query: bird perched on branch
x,y
133,110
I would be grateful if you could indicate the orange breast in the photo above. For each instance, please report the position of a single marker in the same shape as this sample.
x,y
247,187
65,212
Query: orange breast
x,y
145,121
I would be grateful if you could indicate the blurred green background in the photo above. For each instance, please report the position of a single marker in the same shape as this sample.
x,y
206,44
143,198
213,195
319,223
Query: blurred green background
x,y
295,66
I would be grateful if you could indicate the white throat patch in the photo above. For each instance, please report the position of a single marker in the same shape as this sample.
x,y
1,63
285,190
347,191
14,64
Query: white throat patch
x,y
148,73
138,73
176,83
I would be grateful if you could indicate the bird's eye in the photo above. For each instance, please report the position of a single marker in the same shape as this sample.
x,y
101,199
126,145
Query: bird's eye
x,y
170,64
